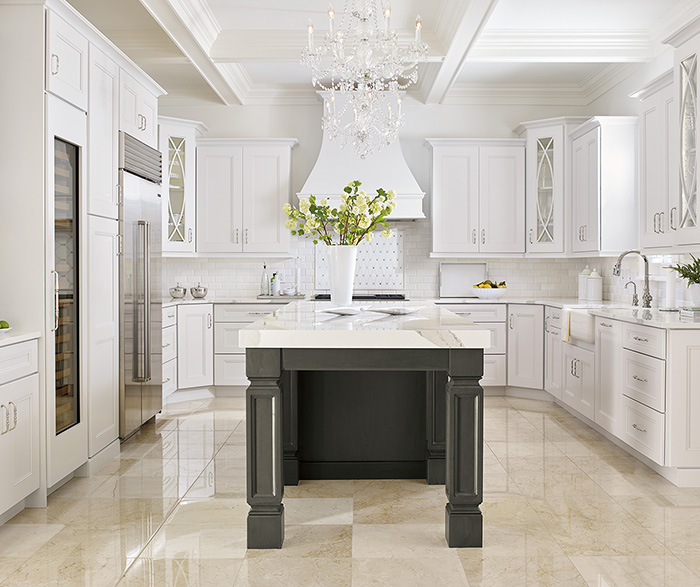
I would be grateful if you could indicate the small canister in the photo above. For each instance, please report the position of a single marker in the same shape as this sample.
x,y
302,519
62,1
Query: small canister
x,y
583,283
595,287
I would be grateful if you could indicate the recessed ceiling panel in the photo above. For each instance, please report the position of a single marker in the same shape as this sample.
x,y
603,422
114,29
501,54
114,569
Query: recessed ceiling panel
x,y
526,73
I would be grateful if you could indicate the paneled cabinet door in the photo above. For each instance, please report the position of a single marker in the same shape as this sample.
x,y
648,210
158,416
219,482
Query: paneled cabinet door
x,y
66,62
103,136
19,441
502,200
455,203
608,375
265,191
525,346
686,212
578,390
138,114
584,190
553,360
195,345
103,333
219,199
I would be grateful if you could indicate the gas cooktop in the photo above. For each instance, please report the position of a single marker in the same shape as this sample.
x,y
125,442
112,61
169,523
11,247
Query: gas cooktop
x,y
377,297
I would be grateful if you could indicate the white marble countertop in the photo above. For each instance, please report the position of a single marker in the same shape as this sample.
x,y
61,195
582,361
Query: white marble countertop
x,y
273,301
307,325
647,317
17,336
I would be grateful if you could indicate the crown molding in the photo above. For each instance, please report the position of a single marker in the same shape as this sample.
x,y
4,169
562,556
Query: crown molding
x,y
655,85
563,46
673,23
605,78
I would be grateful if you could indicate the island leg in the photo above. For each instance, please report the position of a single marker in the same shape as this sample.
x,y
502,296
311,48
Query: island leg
x,y
464,457
264,448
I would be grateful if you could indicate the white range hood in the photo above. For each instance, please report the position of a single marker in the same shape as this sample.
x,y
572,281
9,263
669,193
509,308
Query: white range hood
x,y
387,169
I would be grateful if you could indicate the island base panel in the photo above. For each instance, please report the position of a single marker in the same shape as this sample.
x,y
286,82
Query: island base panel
x,y
463,527
266,528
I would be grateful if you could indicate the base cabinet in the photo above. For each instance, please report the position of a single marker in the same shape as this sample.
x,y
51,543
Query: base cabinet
x,y
19,423
578,384
195,343
608,375
553,349
525,346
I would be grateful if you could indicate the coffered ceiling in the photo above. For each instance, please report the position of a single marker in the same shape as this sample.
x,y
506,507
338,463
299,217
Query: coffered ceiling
x,y
481,51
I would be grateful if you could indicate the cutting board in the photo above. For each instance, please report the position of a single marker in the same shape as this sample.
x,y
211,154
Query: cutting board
x,y
457,280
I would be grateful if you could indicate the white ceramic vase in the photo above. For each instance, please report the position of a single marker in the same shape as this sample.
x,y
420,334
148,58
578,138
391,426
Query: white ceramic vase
x,y
694,290
341,267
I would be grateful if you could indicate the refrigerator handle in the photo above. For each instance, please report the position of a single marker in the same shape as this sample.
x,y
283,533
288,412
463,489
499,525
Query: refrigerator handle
x,y
147,301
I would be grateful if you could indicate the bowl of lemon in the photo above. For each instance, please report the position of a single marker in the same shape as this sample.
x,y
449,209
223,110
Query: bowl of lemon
x,y
490,290
4,327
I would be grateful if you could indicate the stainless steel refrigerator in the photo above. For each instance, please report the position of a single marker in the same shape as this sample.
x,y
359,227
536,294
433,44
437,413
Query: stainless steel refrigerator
x,y
140,385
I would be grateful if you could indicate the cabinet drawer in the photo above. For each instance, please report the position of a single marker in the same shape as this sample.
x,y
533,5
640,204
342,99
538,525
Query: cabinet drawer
x,y
643,429
226,337
169,343
169,377
644,339
644,379
169,316
479,312
553,317
18,360
230,370
494,370
243,312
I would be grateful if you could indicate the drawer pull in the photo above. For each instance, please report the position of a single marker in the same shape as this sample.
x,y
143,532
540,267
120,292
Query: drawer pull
x,y
639,339
606,325
167,380
170,316
639,379
14,412
639,429
7,420
166,345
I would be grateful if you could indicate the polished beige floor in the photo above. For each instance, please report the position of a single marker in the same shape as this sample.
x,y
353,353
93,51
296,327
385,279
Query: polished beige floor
x,y
562,506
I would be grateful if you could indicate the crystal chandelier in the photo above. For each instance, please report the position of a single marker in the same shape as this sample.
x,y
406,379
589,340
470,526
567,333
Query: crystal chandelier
x,y
364,72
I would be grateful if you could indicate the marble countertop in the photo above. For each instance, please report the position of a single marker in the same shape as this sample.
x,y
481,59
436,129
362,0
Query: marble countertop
x,y
308,325
647,317
273,300
17,336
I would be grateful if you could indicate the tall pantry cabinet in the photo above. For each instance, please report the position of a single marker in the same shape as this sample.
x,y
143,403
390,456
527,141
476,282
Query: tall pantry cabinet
x,y
59,224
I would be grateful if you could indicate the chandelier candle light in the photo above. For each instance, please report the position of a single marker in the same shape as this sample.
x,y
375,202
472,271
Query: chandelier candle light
x,y
363,63
342,228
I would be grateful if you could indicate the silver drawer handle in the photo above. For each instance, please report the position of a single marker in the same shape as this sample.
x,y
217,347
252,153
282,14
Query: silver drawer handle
x,y
639,379
55,59
167,380
170,316
7,419
166,345
638,428
606,325
638,339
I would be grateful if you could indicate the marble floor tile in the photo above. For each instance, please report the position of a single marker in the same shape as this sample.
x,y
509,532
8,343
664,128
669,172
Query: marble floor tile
x,y
203,511
400,541
182,572
326,510
322,541
322,488
24,540
9,565
640,571
398,502
395,572
545,570
85,572
295,572
196,542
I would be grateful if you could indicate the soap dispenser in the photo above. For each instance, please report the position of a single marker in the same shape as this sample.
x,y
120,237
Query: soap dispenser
x,y
583,283
265,282
595,287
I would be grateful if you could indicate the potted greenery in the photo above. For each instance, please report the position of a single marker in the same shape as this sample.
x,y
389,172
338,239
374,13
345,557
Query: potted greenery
x,y
691,272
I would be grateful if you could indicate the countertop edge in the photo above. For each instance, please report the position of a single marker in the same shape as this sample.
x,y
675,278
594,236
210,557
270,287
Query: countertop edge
x,y
10,339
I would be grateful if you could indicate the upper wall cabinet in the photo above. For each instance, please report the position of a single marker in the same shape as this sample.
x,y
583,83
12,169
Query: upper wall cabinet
x,y
176,138
685,220
138,114
66,62
241,188
478,196
658,180
604,185
545,172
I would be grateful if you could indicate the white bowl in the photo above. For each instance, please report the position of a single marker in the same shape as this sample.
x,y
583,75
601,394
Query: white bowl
x,y
490,293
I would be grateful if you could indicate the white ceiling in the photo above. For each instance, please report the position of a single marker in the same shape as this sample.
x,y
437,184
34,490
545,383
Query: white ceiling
x,y
247,51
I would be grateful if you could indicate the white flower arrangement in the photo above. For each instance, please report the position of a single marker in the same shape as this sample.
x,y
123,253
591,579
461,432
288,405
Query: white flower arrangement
x,y
353,221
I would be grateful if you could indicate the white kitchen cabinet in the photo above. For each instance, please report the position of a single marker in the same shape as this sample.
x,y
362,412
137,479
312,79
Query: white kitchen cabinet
x,y
604,185
241,188
608,375
66,61
578,388
684,220
138,114
103,333
658,179
546,157
195,345
553,359
19,423
525,346
169,342
103,135
478,196
176,138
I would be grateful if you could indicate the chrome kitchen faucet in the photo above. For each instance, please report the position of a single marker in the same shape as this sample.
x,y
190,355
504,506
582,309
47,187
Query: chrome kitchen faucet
x,y
646,296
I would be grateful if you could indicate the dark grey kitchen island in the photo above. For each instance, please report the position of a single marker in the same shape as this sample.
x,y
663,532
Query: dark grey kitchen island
x,y
354,397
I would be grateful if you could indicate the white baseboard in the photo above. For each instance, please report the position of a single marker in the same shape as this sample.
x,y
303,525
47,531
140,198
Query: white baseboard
x,y
521,392
12,512
186,395
99,460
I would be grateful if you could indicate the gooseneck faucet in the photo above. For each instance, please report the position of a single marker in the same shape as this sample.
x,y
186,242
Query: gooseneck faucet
x,y
646,296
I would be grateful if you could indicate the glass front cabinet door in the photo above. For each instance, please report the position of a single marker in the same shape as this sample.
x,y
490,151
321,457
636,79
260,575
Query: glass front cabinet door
x,y
544,189
684,214
177,145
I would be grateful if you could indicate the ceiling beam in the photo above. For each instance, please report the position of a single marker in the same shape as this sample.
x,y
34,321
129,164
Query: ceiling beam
x,y
192,27
548,46
474,15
